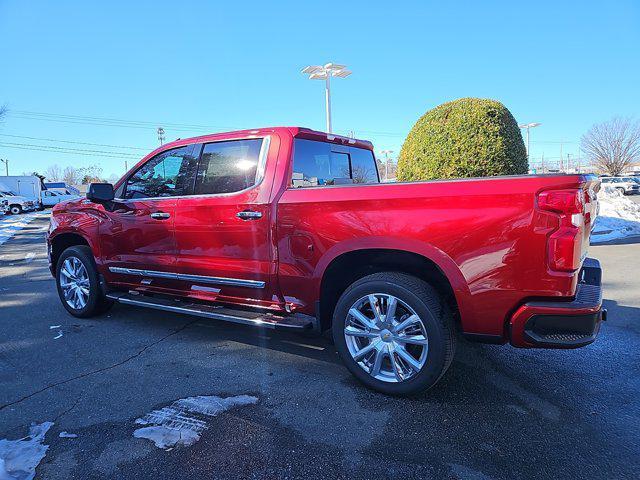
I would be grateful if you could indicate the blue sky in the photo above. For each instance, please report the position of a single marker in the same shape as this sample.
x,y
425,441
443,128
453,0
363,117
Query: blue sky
x,y
228,65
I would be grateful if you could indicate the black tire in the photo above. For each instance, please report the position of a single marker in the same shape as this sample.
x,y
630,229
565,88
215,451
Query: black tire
x,y
432,310
96,303
15,209
621,190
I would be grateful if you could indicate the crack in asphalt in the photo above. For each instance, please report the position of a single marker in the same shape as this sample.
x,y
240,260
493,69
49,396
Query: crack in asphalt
x,y
99,370
75,403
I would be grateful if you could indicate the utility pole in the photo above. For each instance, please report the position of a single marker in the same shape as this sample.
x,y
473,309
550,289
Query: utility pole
x,y
386,154
126,167
561,156
6,165
161,135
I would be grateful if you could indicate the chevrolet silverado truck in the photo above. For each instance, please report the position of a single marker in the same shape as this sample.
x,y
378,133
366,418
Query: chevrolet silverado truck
x,y
291,228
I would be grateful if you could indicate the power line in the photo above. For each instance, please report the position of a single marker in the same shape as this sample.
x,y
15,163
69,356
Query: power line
x,y
68,151
108,121
148,149
141,124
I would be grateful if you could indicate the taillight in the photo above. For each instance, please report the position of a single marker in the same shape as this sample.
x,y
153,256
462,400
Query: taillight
x,y
565,244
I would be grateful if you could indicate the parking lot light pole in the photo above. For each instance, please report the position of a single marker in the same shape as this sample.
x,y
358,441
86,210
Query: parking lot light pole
x,y
6,165
528,126
325,72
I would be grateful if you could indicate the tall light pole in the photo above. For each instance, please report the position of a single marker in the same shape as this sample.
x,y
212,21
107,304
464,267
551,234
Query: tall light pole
x,y
161,135
6,164
325,72
386,154
528,126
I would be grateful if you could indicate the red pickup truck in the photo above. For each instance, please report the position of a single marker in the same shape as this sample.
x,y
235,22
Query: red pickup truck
x,y
291,228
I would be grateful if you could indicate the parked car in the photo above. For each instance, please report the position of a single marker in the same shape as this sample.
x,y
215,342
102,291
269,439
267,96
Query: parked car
x,y
626,185
291,228
49,198
17,204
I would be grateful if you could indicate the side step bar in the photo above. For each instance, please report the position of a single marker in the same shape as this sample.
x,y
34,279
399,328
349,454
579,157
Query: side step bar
x,y
245,317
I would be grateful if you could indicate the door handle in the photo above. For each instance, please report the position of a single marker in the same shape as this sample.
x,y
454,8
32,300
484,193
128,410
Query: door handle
x,y
160,215
249,215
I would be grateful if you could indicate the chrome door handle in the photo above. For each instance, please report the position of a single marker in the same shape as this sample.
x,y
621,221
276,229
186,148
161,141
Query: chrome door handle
x,y
160,215
249,215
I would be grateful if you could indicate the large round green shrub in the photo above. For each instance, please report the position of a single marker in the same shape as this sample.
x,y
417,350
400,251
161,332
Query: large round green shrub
x,y
469,137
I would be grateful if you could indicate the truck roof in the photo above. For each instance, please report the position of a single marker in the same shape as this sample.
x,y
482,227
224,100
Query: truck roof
x,y
298,132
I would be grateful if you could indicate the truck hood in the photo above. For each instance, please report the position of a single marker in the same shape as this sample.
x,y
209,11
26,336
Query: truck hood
x,y
71,205
17,199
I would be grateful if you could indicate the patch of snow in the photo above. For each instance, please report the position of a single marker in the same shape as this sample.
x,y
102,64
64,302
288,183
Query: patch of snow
x,y
181,423
619,217
67,435
28,258
11,224
19,458
59,335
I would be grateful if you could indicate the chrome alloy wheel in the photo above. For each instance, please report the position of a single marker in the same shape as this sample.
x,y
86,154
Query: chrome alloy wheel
x,y
74,282
386,337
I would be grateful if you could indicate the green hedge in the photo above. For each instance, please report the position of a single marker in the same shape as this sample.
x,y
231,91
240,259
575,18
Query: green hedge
x,y
469,137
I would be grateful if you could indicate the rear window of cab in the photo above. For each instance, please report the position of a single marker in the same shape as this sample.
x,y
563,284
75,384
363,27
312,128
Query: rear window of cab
x,y
318,163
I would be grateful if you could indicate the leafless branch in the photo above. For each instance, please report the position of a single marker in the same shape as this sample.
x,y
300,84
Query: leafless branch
x,y
613,146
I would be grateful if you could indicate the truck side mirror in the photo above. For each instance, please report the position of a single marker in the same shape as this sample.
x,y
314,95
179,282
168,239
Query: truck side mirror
x,y
100,192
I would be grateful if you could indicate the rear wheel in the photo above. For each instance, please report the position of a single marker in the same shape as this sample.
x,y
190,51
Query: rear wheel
x,y
79,284
394,333
621,190
15,209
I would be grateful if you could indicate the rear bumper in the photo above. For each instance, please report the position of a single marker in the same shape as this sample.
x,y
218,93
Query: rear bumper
x,y
554,324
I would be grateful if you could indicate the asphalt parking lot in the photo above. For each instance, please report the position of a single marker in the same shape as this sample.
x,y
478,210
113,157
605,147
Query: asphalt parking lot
x,y
498,413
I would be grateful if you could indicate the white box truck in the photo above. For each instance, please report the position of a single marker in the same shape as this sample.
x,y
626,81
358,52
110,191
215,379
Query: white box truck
x,y
29,187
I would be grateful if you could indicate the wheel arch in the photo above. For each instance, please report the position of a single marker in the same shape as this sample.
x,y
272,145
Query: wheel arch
x,y
340,267
64,240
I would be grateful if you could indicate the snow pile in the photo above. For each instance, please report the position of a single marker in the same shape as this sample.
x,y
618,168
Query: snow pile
x,y
10,224
619,216
19,458
182,422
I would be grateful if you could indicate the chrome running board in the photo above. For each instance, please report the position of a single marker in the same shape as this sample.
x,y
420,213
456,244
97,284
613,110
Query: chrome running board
x,y
245,317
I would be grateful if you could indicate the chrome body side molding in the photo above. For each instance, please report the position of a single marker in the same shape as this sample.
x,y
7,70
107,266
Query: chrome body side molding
x,y
235,282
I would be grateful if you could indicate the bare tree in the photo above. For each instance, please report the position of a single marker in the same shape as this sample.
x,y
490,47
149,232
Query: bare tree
x,y
70,176
90,174
612,146
53,173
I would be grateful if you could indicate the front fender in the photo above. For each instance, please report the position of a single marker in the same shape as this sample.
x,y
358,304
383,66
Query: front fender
x,y
82,224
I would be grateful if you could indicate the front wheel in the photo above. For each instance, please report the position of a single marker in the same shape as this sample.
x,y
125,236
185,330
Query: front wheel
x,y
394,332
15,209
79,284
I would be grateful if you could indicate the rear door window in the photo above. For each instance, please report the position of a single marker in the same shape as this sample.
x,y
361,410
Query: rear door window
x,y
321,163
227,167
